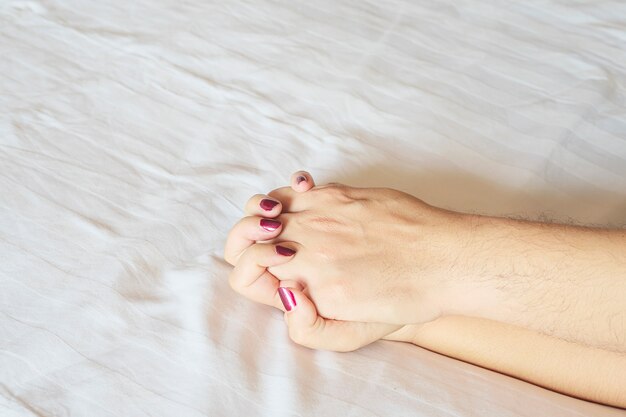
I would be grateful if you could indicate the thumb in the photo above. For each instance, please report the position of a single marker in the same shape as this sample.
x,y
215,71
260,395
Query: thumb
x,y
307,328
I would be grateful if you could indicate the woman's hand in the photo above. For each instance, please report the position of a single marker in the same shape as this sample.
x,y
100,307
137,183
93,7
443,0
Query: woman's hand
x,y
558,289
383,256
251,278
371,254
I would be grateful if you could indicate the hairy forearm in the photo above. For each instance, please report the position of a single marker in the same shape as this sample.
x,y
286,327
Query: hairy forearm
x,y
573,369
562,281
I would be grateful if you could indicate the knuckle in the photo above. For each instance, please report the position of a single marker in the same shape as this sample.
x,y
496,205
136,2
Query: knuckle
x,y
360,205
330,254
339,193
324,223
334,190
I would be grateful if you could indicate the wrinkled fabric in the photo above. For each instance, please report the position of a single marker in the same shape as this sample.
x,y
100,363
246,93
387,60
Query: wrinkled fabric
x,y
132,133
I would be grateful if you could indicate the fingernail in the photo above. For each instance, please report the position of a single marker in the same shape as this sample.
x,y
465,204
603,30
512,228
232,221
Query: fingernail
x,y
286,296
281,250
267,204
300,179
269,224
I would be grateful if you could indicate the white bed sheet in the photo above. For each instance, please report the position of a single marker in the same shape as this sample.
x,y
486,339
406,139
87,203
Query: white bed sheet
x,y
131,133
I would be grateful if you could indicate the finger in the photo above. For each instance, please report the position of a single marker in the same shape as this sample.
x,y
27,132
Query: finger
x,y
301,181
247,231
262,205
250,277
292,201
309,329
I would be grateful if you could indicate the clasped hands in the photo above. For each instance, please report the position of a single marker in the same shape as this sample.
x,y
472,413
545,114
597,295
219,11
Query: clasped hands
x,y
348,266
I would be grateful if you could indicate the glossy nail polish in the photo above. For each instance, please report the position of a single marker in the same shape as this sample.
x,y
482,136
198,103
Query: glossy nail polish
x,y
300,179
286,296
269,224
284,251
267,204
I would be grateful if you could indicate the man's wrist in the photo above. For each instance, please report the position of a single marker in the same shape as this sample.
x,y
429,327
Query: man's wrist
x,y
447,265
487,254
547,277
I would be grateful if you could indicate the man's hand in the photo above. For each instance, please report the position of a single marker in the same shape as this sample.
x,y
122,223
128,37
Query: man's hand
x,y
541,302
375,255
248,250
379,255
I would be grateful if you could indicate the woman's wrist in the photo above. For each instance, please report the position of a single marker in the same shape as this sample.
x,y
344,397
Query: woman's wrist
x,y
573,369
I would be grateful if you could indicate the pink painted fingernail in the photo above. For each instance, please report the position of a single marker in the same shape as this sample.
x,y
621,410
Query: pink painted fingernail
x,y
282,250
286,296
269,224
300,179
267,204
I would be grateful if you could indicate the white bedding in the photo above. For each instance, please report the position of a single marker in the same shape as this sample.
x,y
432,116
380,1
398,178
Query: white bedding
x,y
131,134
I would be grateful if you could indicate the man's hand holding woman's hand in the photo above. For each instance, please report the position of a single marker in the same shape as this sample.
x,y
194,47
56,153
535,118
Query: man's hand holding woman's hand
x,y
353,251
254,246
542,302
350,259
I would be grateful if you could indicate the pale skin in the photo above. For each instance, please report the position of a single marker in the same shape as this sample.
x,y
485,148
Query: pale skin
x,y
545,303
